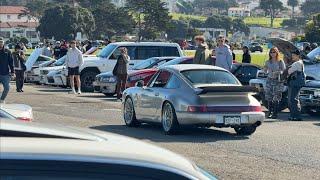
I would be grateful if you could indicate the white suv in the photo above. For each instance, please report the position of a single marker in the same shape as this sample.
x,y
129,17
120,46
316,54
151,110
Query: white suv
x,y
107,58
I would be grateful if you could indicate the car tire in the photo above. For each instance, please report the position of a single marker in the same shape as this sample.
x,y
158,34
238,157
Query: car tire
x,y
129,114
245,130
109,94
87,79
169,120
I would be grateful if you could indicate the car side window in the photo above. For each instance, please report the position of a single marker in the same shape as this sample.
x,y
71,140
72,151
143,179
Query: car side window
x,y
161,80
145,52
173,83
131,52
169,51
64,170
250,71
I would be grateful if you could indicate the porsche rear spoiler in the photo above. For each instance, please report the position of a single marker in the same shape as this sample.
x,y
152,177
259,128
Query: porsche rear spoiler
x,y
227,89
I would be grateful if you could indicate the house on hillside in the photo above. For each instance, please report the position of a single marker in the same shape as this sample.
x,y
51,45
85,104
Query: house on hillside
x,y
238,12
14,24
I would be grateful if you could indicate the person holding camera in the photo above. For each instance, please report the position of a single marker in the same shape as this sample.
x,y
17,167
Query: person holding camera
x,y
6,70
19,67
121,71
296,81
274,67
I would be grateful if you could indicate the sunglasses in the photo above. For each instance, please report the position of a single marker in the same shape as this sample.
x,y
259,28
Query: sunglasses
x,y
273,52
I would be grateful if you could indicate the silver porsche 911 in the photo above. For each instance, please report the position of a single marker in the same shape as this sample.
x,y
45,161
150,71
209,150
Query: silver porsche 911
x,y
198,95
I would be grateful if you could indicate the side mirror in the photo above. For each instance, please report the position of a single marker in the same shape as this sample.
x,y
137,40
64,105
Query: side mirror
x,y
140,83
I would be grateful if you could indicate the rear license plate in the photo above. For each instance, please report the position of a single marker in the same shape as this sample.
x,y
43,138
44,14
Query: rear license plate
x,y
232,120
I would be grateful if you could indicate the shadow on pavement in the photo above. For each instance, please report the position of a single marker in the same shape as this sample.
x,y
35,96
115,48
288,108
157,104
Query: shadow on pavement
x,y
317,124
54,90
154,133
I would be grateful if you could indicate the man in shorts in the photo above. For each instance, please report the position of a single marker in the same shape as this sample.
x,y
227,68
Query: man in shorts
x,y
74,60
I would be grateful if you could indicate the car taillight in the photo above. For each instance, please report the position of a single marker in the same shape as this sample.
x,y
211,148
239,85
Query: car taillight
x,y
202,108
24,119
223,109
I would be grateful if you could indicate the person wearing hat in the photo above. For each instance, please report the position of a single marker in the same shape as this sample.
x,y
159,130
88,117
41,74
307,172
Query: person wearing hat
x,y
296,80
203,54
19,67
246,57
56,50
6,69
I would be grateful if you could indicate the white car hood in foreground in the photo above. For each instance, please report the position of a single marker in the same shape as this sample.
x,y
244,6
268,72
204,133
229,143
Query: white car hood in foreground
x,y
18,110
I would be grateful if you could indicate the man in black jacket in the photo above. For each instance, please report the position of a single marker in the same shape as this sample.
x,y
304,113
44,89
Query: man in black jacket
x,y
19,67
6,69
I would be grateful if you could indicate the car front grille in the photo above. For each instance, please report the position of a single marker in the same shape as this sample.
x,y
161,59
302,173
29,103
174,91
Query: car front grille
x,y
50,80
44,72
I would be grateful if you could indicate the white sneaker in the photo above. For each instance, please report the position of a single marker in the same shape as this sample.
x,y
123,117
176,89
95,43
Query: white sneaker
x,y
73,91
79,91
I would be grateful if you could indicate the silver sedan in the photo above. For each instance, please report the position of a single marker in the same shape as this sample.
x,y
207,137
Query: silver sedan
x,y
198,95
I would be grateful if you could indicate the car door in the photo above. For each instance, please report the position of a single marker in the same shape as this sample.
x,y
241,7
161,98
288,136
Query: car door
x,y
151,98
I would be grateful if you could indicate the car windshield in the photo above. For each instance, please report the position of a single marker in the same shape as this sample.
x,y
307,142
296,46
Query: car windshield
x,y
60,61
106,51
209,76
145,64
6,115
173,62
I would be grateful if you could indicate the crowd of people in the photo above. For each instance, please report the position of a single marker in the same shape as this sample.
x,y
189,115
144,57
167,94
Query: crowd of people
x,y
13,65
278,72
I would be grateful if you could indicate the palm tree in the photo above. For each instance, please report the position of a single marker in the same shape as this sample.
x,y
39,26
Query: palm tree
x,y
293,3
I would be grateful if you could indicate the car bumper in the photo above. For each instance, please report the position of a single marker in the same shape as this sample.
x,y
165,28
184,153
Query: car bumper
x,y
247,118
32,78
56,80
310,101
104,87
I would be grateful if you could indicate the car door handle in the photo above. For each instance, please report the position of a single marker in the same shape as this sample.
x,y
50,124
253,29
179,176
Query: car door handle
x,y
131,64
156,94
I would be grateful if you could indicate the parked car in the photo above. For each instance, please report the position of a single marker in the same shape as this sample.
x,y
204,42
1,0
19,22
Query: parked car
x,y
245,72
18,111
106,59
56,66
38,151
33,76
211,96
253,47
312,67
106,82
310,97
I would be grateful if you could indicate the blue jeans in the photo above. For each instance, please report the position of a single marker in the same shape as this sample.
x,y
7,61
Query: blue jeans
x,y
293,100
5,81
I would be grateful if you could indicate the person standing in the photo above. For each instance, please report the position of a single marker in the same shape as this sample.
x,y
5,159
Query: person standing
x,y
19,67
47,51
246,57
56,50
223,54
121,71
6,69
74,60
274,67
296,81
63,48
203,54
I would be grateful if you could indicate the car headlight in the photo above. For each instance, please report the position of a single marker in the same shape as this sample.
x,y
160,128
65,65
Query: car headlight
x,y
108,79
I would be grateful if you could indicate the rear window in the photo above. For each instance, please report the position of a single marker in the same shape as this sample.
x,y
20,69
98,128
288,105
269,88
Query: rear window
x,y
180,60
198,77
170,51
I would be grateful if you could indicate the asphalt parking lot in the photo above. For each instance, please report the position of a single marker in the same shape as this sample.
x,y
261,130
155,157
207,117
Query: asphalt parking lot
x,y
279,149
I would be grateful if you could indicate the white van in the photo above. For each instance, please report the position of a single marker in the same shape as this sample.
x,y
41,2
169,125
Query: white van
x,y
107,58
